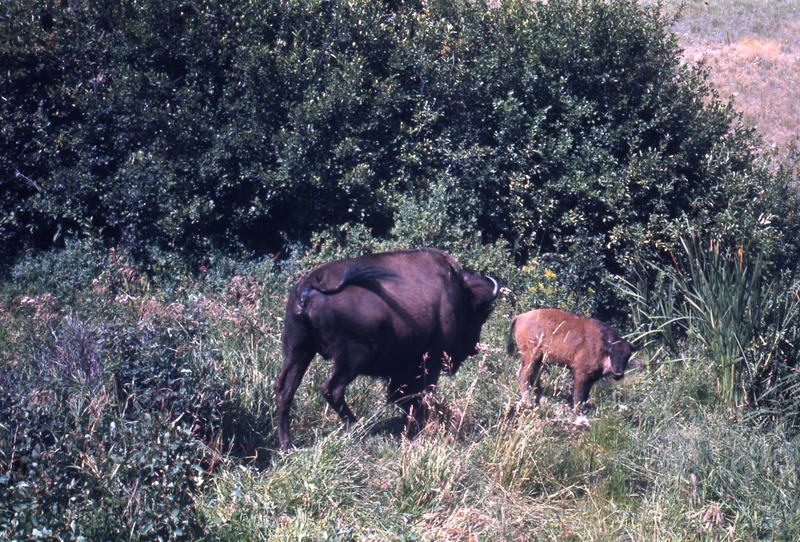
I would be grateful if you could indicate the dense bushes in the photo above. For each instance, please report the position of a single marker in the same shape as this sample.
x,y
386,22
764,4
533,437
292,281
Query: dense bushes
x,y
567,128
118,398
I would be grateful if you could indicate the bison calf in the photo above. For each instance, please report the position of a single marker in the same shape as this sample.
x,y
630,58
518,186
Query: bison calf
x,y
406,315
590,348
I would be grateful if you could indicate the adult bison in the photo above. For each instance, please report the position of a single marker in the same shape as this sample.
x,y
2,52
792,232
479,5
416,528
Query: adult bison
x,y
590,348
406,315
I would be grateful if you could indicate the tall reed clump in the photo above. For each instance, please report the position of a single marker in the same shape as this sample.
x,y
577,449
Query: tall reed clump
x,y
740,312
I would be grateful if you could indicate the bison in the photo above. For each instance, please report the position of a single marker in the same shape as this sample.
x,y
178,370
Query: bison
x,y
588,347
405,315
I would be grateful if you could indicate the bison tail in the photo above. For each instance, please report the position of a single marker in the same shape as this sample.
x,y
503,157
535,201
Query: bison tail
x,y
355,275
510,344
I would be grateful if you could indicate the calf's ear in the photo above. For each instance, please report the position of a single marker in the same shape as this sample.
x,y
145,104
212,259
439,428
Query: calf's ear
x,y
636,347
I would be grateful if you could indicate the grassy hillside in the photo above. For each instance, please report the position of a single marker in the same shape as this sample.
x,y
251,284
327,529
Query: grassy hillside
x,y
753,54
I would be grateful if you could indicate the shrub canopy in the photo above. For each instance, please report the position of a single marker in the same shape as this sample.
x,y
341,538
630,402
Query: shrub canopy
x,y
569,128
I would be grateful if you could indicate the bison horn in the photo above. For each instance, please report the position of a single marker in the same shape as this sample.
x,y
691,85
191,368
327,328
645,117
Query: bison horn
x,y
496,286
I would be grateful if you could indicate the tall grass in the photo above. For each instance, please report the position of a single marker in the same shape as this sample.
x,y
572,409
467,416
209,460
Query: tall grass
x,y
726,302
743,315
534,476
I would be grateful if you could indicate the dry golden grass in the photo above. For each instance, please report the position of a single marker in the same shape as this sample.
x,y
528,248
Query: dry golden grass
x,y
763,75
752,49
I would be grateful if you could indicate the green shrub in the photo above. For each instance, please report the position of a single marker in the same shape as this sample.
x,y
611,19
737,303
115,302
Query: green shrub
x,y
84,462
119,399
567,130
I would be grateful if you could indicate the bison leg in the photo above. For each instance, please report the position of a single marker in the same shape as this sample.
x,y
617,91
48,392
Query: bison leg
x,y
407,395
528,374
333,391
581,392
294,368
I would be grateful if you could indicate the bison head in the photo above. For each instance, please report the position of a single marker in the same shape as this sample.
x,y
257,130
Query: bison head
x,y
479,297
482,292
619,353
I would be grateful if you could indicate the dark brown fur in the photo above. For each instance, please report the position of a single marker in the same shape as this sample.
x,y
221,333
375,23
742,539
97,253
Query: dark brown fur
x,y
406,315
588,347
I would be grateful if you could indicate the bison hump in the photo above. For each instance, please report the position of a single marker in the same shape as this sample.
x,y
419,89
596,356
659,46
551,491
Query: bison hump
x,y
451,261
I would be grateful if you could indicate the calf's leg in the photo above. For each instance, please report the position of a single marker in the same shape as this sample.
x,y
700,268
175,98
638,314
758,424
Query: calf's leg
x,y
528,374
580,394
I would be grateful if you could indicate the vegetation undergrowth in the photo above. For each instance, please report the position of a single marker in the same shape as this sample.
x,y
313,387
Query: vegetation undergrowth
x,y
153,401
742,314
171,170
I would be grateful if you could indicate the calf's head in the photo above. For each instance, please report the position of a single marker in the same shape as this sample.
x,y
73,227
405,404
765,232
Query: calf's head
x,y
619,353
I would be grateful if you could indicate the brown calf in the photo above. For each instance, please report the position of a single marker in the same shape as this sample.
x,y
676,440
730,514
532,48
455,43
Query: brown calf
x,y
590,348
